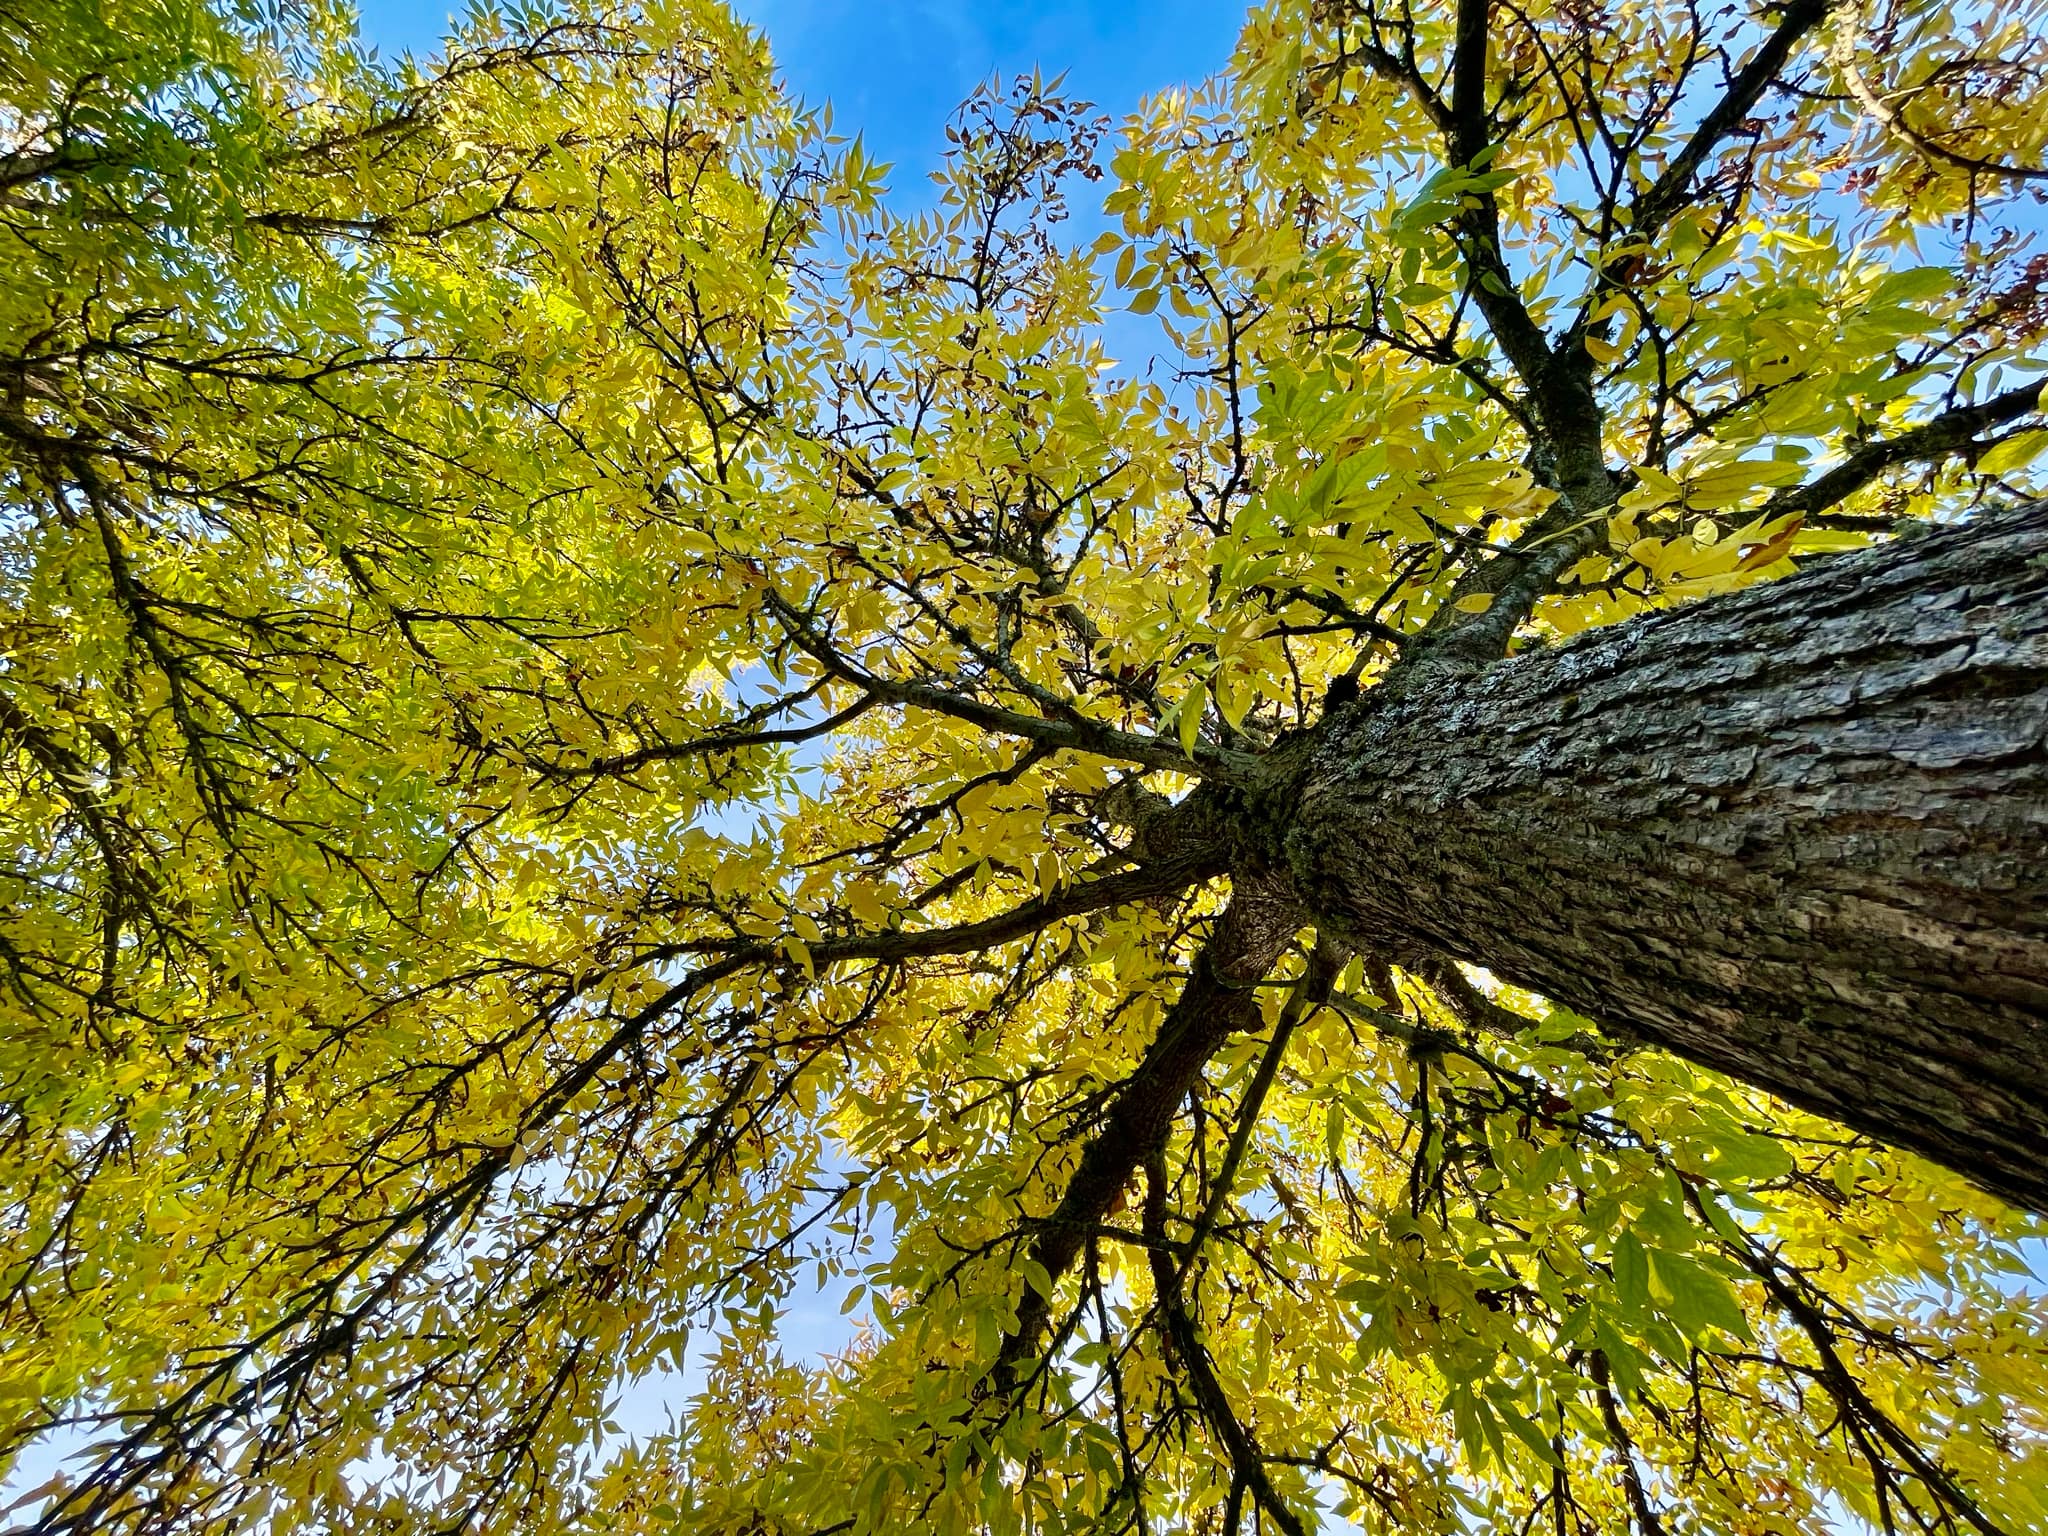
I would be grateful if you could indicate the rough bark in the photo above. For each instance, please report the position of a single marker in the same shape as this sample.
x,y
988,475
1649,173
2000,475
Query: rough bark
x,y
1798,834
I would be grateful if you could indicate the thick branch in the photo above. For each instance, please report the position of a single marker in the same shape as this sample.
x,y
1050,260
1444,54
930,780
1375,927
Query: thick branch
x,y
1463,125
1671,190
709,745
1467,131
1246,1460
1648,1521
1163,877
1842,54
1076,733
1951,432
1217,1001
1516,580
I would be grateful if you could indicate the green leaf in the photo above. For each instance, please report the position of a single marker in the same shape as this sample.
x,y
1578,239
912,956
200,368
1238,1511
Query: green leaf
x,y
1631,1273
1525,1430
1754,1159
1623,1358
1700,1299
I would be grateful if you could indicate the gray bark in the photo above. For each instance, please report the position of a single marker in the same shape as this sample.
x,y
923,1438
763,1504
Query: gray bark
x,y
1798,834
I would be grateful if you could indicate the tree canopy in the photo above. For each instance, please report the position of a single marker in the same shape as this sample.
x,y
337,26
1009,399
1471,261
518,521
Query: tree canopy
x,y
605,736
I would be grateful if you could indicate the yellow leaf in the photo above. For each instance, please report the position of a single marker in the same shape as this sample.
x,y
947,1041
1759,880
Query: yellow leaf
x,y
1192,708
864,900
2015,452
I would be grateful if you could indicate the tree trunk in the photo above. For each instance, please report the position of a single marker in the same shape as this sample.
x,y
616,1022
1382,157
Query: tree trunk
x,y
1798,834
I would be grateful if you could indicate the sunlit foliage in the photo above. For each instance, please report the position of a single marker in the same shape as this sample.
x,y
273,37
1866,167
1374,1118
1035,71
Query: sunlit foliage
x,y
590,720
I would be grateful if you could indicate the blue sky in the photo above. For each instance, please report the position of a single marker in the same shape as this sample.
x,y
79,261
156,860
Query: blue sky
x,y
895,69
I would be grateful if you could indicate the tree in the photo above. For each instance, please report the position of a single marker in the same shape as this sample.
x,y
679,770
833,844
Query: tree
x,y
603,734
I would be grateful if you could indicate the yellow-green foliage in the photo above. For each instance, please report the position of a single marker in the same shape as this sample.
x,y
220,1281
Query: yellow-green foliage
x,y
535,609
